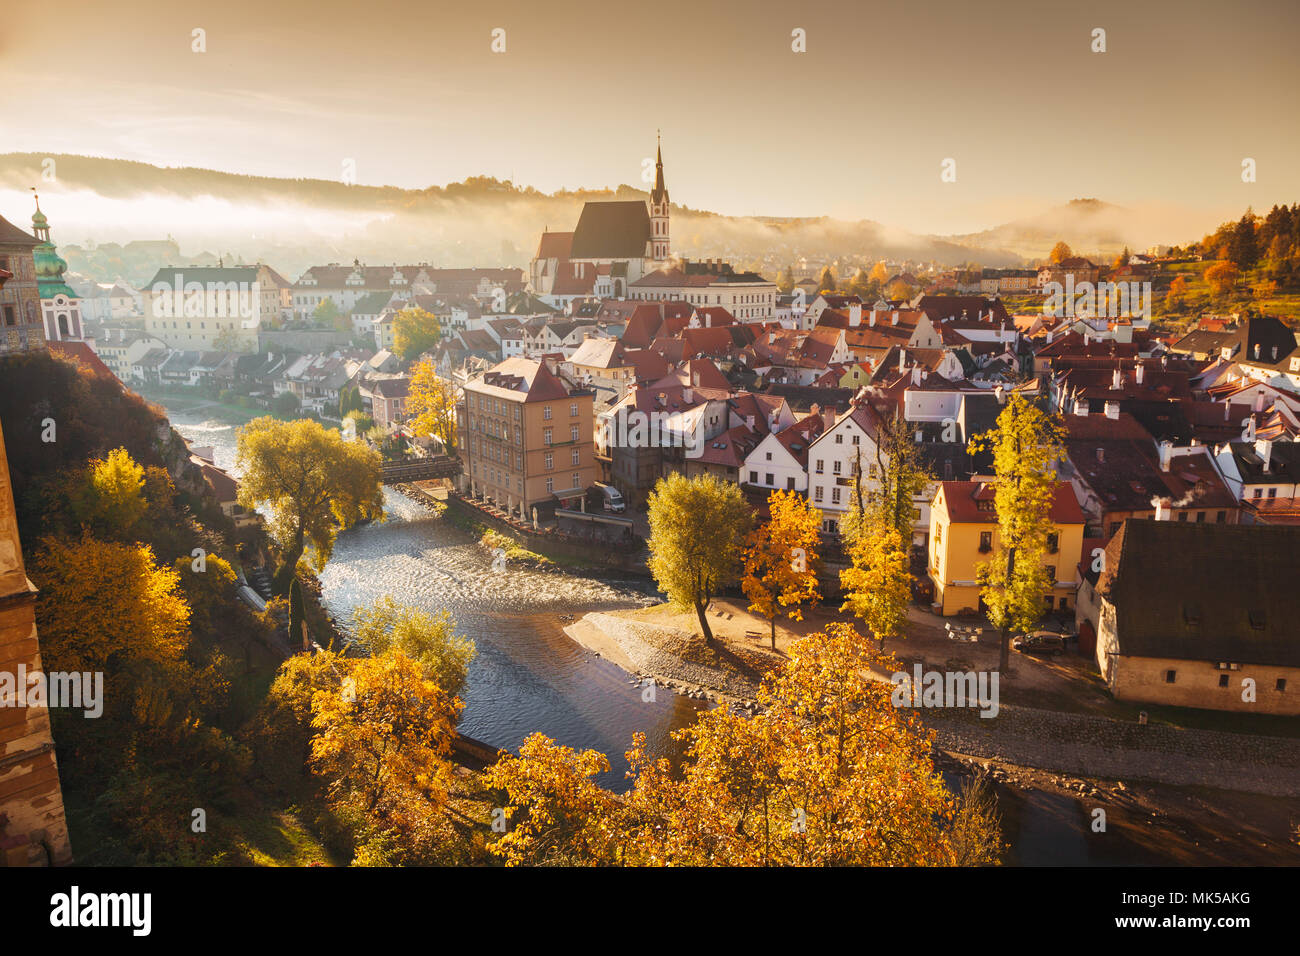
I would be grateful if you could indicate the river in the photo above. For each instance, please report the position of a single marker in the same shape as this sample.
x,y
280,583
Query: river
x,y
527,674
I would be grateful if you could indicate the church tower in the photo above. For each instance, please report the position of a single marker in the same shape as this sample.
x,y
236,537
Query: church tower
x,y
659,243
60,306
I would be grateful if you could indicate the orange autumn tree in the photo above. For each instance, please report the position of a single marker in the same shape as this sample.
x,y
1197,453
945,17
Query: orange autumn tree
x,y
829,773
384,745
781,559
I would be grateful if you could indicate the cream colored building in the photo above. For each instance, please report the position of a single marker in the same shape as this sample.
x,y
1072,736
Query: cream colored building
x,y
212,308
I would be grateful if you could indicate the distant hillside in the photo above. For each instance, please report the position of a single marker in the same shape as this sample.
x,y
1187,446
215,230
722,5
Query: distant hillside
x,y
293,223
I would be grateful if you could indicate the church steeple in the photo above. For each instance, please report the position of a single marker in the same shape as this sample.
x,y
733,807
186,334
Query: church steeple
x,y
659,242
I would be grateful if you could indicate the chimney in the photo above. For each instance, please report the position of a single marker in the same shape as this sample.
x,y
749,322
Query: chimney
x,y
695,379
1227,410
998,392
1117,379
916,375
873,318
855,315
902,361
1259,400
893,320
1112,410
1138,372
688,396
1264,448
1166,453
771,338
1081,407
1275,353
1162,508
1049,336
1256,350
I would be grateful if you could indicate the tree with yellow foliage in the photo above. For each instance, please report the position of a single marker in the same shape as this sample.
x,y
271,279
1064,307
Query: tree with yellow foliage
x,y
877,584
697,531
1060,252
879,273
415,331
431,404
311,480
781,559
1026,449
384,745
828,773
113,499
428,639
109,607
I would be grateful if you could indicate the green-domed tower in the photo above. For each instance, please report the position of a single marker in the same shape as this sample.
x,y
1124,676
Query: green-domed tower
x,y
60,305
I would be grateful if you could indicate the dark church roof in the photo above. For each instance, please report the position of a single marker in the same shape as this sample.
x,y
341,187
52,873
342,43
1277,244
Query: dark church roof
x,y
611,230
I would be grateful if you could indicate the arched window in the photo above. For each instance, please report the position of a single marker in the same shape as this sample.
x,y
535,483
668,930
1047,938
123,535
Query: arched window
x,y
63,326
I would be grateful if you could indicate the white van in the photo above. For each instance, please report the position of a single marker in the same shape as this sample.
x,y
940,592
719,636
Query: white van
x,y
613,499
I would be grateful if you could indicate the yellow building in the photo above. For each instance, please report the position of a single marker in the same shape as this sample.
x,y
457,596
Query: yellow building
x,y
527,438
964,535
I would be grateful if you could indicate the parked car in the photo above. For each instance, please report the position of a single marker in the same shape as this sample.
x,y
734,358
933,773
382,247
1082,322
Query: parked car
x,y
1042,643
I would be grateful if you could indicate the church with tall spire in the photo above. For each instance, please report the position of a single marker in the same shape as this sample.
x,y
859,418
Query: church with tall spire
x,y
614,244
60,305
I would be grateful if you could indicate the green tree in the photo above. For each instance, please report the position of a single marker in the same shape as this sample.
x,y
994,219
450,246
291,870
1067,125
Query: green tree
x,y
785,280
312,482
286,403
429,640
1026,449
327,315
697,530
415,331
884,496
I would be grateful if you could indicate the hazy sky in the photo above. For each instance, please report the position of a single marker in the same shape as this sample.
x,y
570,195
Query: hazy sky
x,y
857,127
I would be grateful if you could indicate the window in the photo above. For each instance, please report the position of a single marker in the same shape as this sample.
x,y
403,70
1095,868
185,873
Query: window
x,y
1272,492
820,469
789,484
857,439
839,439
753,477
550,485
1257,493
550,461
1053,543
1281,683
1171,676
546,436
817,492
546,412
1051,575
769,456
1182,516
835,467
986,542
1221,517
573,433
1200,517
573,409
1223,680
576,457
835,496
767,479
575,480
